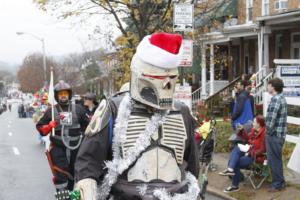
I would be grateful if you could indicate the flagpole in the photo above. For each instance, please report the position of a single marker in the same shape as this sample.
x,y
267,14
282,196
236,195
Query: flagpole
x,y
52,98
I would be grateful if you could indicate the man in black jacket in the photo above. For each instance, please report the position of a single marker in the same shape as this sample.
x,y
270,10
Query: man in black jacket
x,y
90,103
70,121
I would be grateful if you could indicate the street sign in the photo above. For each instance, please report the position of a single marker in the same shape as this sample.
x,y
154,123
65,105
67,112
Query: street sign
x,y
183,94
183,17
187,53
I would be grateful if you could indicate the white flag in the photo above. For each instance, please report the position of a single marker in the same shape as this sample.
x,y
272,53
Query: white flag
x,y
51,99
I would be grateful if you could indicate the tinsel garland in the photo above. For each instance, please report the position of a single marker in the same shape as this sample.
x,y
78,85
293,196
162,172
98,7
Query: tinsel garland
x,y
118,165
191,194
142,189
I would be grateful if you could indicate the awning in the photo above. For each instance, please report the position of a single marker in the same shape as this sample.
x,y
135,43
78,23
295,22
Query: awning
x,y
220,10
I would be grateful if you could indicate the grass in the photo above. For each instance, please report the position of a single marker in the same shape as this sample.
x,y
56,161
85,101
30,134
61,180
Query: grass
x,y
243,195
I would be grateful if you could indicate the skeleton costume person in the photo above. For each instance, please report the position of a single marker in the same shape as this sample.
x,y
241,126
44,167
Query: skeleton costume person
x,y
139,145
70,121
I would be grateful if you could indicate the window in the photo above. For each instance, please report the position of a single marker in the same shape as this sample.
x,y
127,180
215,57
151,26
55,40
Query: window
x,y
295,45
249,9
265,7
281,4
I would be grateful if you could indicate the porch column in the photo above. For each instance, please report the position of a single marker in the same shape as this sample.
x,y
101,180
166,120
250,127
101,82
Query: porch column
x,y
212,70
203,72
260,41
266,51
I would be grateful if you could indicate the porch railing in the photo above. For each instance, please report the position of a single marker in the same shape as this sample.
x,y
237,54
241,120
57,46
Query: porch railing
x,y
196,98
261,87
219,103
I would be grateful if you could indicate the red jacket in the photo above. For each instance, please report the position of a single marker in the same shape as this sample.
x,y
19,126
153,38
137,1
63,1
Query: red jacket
x,y
257,142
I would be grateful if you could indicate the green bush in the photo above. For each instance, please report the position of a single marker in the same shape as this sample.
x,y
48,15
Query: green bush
x,y
224,130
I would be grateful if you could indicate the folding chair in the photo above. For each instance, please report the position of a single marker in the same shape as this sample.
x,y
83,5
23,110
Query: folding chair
x,y
258,171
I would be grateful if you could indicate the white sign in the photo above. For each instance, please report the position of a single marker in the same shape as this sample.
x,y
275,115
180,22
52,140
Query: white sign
x,y
183,18
183,94
290,71
294,162
187,53
290,75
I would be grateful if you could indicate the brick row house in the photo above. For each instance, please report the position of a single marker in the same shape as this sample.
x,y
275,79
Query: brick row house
x,y
255,33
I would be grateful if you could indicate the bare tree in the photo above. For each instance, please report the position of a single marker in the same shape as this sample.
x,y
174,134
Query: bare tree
x,y
30,74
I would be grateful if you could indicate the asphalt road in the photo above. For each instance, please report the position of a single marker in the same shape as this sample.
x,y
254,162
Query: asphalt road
x,y
24,171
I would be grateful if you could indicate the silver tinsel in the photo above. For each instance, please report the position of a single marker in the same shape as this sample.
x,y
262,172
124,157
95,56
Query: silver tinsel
x,y
191,194
142,189
118,165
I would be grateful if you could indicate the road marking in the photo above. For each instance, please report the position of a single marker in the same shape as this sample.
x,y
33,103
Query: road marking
x,y
9,122
16,151
8,126
10,133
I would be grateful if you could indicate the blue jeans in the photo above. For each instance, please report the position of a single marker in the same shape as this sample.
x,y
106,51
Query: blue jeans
x,y
274,146
238,161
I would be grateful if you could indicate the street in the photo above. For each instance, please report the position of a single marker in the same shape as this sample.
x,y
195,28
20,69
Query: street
x,y
24,169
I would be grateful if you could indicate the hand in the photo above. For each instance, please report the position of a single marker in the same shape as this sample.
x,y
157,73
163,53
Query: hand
x,y
239,127
87,188
53,124
61,116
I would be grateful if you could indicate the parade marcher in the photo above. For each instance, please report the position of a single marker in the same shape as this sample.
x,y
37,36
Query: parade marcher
x,y
90,103
9,107
140,144
21,110
69,122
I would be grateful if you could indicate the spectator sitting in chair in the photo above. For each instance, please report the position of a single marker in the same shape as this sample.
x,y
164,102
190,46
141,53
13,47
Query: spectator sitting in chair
x,y
242,156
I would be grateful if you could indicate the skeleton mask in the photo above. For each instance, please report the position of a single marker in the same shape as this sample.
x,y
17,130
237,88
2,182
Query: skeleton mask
x,y
152,85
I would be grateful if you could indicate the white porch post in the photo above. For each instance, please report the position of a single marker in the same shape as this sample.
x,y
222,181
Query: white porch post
x,y
203,72
212,70
266,51
260,45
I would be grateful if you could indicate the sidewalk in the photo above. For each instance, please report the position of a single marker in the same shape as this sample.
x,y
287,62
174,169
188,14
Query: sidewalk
x,y
218,183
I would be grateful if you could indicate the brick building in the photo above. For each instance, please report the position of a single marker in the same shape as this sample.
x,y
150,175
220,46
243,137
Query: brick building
x,y
259,32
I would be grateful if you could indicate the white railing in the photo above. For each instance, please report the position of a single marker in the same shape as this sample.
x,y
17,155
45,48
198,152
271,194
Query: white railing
x,y
261,86
293,120
196,97
260,76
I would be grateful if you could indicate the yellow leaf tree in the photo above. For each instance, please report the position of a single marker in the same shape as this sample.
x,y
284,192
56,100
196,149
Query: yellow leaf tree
x,y
134,18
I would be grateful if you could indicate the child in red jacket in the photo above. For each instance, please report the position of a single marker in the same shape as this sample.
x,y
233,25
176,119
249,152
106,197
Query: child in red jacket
x,y
242,156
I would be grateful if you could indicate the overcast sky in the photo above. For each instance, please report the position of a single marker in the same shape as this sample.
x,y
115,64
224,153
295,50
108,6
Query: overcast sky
x,y
23,15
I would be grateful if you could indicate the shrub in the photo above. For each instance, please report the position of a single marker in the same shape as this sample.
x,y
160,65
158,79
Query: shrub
x,y
224,130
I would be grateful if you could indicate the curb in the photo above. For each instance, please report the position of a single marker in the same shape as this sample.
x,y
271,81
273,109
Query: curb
x,y
218,193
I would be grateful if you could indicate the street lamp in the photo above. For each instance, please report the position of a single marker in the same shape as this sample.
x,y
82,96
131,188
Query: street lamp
x,y
44,52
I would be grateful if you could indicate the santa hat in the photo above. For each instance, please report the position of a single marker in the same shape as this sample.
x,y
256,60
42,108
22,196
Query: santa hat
x,y
161,50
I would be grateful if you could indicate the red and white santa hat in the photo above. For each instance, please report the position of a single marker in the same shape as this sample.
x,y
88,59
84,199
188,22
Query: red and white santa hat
x,y
161,50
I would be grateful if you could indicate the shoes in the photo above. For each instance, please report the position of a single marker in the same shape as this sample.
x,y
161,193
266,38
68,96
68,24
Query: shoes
x,y
226,172
231,189
272,189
